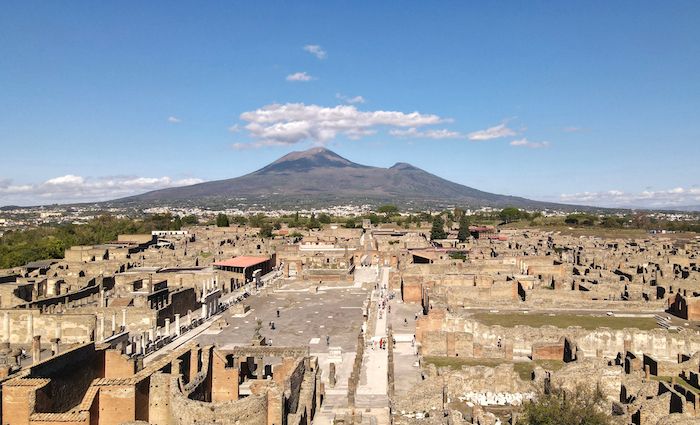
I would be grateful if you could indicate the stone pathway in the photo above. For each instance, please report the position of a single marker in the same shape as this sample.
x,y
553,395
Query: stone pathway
x,y
371,398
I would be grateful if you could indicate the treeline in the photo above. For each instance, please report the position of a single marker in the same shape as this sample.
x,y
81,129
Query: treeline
x,y
22,246
632,221
385,214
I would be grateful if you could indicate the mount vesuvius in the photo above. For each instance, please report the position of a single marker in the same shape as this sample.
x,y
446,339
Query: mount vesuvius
x,y
319,174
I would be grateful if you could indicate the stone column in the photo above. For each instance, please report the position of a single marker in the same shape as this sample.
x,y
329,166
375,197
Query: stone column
x,y
167,328
114,323
331,374
55,346
101,335
151,334
177,325
123,319
204,311
259,367
57,331
30,326
6,327
36,349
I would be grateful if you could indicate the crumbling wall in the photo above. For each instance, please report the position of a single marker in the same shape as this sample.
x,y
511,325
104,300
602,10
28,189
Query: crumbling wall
x,y
73,328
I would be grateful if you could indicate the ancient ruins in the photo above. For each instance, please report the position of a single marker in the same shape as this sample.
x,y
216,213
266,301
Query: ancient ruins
x,y
372,325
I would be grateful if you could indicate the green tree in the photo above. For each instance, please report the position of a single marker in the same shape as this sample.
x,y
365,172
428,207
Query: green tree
x,y
463,233
222,220
580,219
510,214
458,256
266,230
350,223
313,222
257,220
277,225
190,220
240,220
324,218
438,229
388,209
560,407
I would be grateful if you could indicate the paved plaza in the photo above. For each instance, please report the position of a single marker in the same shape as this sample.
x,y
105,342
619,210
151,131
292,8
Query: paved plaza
x,y
306,318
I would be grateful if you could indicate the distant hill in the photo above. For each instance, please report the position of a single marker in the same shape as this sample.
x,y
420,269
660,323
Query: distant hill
x,y
321,174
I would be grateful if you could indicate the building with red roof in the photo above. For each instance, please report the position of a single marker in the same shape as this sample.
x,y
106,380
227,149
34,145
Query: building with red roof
x,y
245,266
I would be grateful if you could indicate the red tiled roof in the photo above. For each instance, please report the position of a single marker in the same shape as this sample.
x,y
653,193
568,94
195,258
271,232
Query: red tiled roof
x,y
242,261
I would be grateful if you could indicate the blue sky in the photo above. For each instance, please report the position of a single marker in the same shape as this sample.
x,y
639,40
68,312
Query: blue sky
x,y
592,102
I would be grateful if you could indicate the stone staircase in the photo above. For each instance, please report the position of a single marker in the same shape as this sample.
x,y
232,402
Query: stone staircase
x,y
662,321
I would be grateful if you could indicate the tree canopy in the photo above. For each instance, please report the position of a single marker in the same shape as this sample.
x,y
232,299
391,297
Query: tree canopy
x,y
388,209
222,220
438,229
511,214
560,407
463,233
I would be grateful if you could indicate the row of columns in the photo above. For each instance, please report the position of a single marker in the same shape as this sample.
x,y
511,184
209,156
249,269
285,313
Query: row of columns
x,y
102,335
7,328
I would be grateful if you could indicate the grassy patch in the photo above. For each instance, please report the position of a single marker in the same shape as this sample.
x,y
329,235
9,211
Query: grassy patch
x,y
523,369
589,322
679,380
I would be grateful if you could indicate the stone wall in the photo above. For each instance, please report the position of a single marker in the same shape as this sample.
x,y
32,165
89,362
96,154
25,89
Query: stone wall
x,y
71,328
607,342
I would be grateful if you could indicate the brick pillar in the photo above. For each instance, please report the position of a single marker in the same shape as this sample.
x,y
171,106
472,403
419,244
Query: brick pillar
x,y
194,362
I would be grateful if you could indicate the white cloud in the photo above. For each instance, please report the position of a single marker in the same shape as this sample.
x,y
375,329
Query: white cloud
x,y
528,144
427,134
351,100
675,197
316,50
174,120
572,129
299,76
495,132
290,123
73,188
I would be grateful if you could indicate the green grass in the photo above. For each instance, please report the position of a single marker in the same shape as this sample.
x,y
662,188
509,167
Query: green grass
x,y
589,322
523,369
679,380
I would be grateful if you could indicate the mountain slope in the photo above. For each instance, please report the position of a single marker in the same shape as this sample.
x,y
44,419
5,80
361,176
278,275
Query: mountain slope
x,y
321,173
